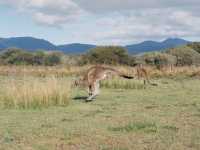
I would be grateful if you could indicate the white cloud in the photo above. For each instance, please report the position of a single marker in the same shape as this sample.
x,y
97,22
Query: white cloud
x,y
154,24
116,21
48,12
118,5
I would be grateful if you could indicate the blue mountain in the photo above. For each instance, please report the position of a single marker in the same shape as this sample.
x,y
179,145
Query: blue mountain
x,y
148,46
32,44
174,42
27,43
1,47
75,48
1,44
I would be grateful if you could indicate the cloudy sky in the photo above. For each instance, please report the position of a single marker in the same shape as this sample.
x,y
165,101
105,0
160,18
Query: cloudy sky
x,y
100,21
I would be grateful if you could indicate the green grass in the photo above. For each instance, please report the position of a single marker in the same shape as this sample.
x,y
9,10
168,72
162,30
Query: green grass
x,y
119,83
172,128
166,117
136,126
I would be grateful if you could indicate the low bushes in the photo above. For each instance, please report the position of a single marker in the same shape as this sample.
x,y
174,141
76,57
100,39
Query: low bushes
x,y
185,56
15,56
111,55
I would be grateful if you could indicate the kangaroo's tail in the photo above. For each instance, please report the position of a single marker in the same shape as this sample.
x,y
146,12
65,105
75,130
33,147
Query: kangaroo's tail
x,y
126,76
123,75
118,73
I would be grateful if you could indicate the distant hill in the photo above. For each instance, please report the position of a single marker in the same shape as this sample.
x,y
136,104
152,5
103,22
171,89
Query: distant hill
x,y
1,46
27,43
75,48
32,44
148,46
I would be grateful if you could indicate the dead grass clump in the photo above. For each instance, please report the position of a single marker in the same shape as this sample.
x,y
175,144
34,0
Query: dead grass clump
x,y
30,92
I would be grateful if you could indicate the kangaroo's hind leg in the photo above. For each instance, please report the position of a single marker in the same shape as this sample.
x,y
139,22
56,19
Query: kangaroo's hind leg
x,y
94,91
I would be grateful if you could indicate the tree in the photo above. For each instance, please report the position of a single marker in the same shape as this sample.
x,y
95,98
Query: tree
x,y
21,57
159,59
195,46
185,55
16,56
52,58
107,55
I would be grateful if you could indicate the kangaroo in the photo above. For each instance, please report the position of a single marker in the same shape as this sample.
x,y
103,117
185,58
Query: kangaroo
x,y
142,73
94,75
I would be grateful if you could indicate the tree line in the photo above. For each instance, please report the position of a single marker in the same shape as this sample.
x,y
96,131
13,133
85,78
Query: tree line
x,y
113,55
14,56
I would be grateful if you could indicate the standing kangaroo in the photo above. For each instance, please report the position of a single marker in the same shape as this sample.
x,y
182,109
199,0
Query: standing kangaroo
x,y
94,75
143,73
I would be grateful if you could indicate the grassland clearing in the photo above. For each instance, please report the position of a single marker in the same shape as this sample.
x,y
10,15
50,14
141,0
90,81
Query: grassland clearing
x,y
163,117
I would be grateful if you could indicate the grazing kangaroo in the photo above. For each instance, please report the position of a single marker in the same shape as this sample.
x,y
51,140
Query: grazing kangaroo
x,y
142,73
94,75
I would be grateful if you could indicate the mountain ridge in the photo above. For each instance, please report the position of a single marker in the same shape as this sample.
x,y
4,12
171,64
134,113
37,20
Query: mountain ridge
x,y
27,43
75,47
148,46
33,44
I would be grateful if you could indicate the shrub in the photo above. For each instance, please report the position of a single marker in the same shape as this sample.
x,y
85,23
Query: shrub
x,y
158,59
195,46
19,57
16,57
52,58
72,60
107,55
185,55
39,57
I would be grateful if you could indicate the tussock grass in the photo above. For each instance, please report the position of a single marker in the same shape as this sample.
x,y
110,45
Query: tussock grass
x,y
118,83
30,92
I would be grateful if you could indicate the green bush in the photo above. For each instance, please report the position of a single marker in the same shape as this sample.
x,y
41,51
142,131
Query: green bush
x,y
52,58
107,55
158,59
195,46
16,57
19,57
185,55
39,57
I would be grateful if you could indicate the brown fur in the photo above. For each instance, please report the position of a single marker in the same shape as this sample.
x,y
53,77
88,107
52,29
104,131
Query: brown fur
x,y
143,73
94,75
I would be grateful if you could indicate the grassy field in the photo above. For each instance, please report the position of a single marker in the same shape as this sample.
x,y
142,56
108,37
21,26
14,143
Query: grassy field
x,y
166,117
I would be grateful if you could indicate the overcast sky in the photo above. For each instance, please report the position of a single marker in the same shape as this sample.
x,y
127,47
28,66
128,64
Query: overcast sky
x,y
100,21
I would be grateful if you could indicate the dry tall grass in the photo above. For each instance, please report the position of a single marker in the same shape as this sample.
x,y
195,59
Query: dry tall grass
x,y
62,71
41,71
38,86
31,92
